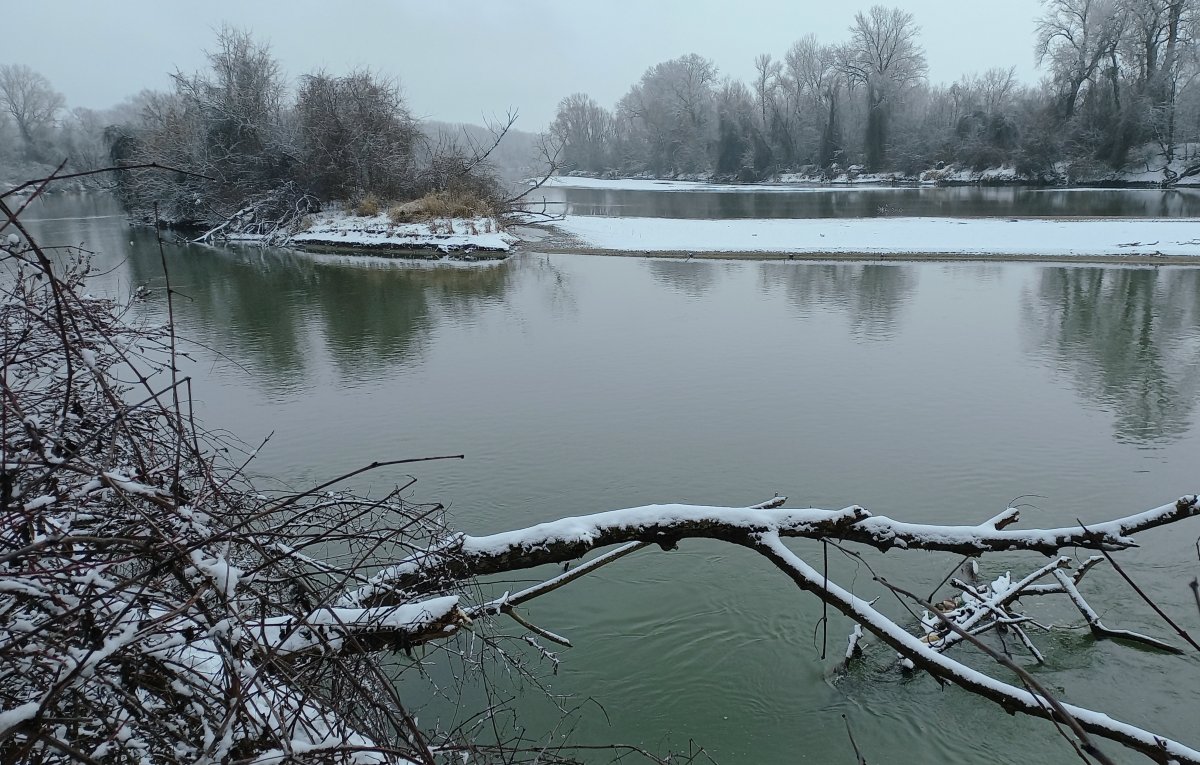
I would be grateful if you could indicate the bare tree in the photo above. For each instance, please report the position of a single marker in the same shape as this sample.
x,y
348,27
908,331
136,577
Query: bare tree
x,y
584,130
670,114
817,74
1156,41
885,57
32,102
766,80
1075,36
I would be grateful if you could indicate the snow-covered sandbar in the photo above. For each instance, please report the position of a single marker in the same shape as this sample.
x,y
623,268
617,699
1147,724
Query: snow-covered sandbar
x,y
1129,239
785,185
378,235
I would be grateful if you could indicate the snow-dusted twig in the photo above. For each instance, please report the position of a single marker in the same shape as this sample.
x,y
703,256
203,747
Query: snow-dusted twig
x,y
1098,627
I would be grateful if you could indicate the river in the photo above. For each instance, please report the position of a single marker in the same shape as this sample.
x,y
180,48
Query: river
x,y
934,392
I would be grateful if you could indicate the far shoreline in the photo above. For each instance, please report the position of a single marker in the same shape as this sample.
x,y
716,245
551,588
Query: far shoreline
x,y
870,257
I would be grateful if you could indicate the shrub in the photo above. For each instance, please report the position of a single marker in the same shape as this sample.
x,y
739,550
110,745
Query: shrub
x,y
368,206
442,204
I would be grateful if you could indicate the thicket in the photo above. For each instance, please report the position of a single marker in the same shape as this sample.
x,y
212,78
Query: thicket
x,y
254,153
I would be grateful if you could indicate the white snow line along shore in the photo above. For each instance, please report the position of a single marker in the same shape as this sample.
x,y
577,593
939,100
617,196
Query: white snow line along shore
x,y
378,233
794,186
938,237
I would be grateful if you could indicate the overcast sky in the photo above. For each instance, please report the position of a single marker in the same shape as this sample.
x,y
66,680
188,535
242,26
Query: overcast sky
x,y
465,61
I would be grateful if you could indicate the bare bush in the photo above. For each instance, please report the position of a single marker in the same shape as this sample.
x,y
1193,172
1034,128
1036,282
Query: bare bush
x,y
155,606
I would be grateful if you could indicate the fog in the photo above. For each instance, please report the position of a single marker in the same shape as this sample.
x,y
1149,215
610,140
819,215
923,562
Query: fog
x,y
467,61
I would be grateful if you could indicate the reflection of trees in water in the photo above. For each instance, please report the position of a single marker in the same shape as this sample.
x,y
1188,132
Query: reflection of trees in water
x,y
1130,339
381,314
870,294
557,289
265,303
691,277
243,305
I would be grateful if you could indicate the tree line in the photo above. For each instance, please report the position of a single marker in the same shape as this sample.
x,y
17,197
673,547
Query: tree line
x,y
244,139
1119,90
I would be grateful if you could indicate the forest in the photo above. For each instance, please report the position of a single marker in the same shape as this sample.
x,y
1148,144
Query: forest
x,y
1119,91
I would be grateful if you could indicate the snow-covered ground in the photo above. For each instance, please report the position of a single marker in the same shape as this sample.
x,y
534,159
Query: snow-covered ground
x,y
379,234
1149,171
641,184
890,236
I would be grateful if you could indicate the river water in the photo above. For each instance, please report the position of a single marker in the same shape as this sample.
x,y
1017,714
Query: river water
x,y
872,201
934,392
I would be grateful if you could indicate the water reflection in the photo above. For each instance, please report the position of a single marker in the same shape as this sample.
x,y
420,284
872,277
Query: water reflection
x,y
1128,338
691,277
276,308
246,304
872,295
822,202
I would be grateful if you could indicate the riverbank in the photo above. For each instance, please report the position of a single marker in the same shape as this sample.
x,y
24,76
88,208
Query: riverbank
x,y
1072,240
1167,176
792,182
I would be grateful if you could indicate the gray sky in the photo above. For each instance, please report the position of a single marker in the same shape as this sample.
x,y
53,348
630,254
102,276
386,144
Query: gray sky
x,y
464,61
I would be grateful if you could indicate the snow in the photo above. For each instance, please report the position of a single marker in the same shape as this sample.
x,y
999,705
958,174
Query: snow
x,y
11,718
592,529
588,528
891,236
225,576
39,502
327,627
601,529
380,233
130,486
787,184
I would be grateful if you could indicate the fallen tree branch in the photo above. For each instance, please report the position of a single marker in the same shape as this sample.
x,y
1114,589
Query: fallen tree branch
x,y
567,539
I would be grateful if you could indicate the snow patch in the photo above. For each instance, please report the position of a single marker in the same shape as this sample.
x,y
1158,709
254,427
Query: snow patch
x,y
378,232
891,236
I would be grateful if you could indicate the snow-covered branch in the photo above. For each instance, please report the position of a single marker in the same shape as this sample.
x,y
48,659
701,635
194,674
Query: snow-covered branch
x,y
570,538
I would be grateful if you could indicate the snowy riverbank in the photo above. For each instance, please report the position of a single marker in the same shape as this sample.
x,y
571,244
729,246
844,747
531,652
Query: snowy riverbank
x,y
1139,175
1134,239
645,184
464,238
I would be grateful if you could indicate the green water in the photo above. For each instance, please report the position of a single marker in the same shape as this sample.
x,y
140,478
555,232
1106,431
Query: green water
x,y
931,392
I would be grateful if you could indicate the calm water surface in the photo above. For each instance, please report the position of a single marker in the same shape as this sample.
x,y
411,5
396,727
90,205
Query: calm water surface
x,y
871,202
933,392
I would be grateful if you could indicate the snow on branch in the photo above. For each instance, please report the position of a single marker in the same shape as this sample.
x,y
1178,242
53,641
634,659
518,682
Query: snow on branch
x,y
463,556
359,629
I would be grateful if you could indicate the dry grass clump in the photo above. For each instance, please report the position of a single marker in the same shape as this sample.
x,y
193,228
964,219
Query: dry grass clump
x,y
368,207
442,204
